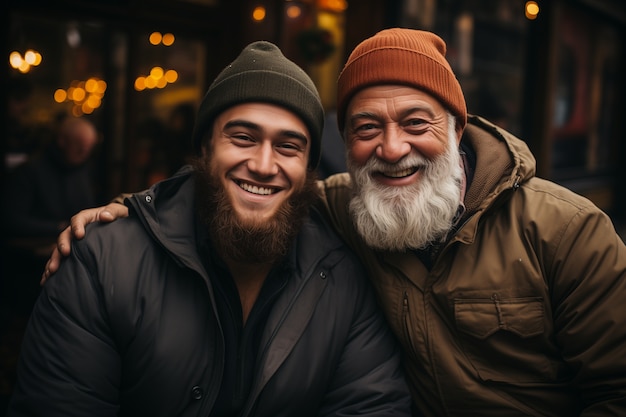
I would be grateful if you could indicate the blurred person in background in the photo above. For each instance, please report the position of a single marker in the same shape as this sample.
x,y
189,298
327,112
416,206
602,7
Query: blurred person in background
x,y
49,188
40,196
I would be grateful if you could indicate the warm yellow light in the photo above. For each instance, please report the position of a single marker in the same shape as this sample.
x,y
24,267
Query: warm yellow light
x,y
258,13
15,59
333,5
94,101
30,57
78,94
77,111
171,76
156,73
168,39
60,95
140,84
86,108
38,59
150,82
91,85
294,11
161,82
531,10
155,38
102,86
24,67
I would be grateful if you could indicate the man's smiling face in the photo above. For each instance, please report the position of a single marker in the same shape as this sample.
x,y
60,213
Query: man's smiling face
x,y
405,165
259,154
390,123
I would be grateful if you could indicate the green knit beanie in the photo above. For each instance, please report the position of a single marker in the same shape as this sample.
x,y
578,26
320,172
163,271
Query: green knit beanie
x,y
261,73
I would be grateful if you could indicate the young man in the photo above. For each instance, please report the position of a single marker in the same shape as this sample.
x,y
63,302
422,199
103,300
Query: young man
x,y
505,290
223,293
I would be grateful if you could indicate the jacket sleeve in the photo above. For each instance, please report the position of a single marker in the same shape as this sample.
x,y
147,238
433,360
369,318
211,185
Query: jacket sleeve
x,y
589,306
369,379
69,365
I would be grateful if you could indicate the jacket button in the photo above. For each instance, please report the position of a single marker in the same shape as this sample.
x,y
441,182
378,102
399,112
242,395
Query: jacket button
x,y
148,198
196,393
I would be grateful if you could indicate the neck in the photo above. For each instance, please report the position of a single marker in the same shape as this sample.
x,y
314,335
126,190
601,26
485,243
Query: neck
x,y
249,279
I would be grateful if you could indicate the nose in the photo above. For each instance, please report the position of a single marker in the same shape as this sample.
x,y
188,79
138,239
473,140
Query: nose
x,y
263,162
393,147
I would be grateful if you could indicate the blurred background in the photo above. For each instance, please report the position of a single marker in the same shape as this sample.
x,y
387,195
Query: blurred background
x,y
551,72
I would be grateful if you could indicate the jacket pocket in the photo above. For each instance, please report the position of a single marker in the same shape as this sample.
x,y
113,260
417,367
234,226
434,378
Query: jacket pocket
x,y
505,338
481,318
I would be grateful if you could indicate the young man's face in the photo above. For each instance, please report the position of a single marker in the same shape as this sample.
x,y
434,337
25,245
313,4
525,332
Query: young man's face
x,y
259,155
405,165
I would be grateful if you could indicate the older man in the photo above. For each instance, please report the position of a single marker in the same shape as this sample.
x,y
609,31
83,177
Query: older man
x,y
224,293
48,189
506,290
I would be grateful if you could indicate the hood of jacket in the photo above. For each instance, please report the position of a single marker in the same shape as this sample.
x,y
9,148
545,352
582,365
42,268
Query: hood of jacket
x,y
504,162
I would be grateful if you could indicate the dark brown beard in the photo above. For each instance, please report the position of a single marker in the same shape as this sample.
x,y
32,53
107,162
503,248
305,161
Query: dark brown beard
x,y
242,241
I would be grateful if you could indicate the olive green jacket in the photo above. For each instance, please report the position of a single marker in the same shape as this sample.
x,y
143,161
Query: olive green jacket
x,y
524,310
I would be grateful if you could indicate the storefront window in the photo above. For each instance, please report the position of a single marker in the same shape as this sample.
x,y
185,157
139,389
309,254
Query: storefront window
x,y
583,139
141,88
57,69
166,92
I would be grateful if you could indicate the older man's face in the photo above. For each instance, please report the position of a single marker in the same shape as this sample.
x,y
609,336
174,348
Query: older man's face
x,y
405,165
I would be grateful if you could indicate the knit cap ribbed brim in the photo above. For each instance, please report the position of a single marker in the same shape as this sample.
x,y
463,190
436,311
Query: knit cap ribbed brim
x,y
406,57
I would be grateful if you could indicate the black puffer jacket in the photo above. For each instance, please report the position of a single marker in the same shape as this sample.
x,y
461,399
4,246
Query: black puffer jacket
x,y
129,327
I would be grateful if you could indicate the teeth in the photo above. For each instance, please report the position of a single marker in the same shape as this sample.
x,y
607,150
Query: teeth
x,y
400,174
256,190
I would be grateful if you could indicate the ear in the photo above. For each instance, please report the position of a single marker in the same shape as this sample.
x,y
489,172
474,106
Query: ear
x,y
459,131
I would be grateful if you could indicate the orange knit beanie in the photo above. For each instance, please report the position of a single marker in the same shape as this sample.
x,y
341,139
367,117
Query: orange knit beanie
x,y
401,56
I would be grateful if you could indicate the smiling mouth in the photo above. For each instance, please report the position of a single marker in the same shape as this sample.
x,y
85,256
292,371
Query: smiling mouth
x,y
254,189
399,173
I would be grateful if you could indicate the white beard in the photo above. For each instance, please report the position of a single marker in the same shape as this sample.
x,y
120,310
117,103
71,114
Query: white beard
x,y
408,217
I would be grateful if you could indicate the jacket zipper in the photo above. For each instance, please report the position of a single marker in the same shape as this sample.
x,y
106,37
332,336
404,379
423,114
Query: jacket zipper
x,y
407,323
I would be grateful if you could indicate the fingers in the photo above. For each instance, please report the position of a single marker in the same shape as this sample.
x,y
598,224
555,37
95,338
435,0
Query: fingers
x,y
104,214
76,230
64,240
113,212
51,266
78,222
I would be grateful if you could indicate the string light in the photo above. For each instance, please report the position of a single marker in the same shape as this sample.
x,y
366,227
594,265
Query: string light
x,y
157,78
24,64
157,38
85,96
531,10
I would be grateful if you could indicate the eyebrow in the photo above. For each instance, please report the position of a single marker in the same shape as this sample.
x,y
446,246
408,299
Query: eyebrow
x,y
254,126
403,114
363,115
